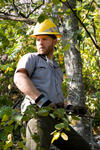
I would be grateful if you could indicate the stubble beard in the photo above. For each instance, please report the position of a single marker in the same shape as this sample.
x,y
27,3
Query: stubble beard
x,y
47,51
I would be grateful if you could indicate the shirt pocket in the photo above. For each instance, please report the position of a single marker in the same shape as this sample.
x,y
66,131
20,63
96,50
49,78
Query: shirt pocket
x,y
41,71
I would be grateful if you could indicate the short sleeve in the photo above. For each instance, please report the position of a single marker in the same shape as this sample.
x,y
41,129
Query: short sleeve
x,y
27,62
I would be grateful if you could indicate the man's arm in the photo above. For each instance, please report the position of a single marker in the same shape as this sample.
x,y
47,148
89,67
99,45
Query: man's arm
x,y
25,85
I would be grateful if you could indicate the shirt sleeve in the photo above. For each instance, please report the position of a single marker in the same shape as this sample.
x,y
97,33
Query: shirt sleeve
x,y
27,62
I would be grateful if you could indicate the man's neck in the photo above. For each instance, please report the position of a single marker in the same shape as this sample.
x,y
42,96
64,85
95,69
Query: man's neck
x,y
49,57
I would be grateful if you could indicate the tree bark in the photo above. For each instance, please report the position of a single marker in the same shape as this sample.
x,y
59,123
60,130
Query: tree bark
x,y
16,18
73,67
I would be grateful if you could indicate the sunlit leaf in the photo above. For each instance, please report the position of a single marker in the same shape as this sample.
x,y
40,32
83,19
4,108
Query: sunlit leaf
x,y
5,117
9,86
55,136
56,1
64,0
75,117
64,136
10,136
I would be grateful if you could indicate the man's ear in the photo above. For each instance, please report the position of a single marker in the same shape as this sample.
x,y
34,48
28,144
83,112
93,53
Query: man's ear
x,y
55,41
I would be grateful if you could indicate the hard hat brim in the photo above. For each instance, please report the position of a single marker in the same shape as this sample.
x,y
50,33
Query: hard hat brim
x,y
47,33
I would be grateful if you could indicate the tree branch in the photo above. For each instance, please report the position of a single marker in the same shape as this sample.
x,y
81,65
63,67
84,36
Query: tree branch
x,y
32,2
4,13
15,8
17,11
89,8
94,42
19,15
94,29
16,18
36,8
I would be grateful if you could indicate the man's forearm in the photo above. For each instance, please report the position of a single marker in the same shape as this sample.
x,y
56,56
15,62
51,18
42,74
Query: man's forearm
x,y
25,85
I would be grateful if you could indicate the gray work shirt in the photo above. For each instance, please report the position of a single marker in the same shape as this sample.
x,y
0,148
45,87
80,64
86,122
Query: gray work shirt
x,y
47,77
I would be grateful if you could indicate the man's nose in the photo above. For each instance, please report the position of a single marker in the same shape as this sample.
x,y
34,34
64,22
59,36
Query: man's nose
x,y
41,41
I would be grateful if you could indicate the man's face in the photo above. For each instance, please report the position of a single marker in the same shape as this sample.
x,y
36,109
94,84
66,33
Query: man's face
x,y
45,44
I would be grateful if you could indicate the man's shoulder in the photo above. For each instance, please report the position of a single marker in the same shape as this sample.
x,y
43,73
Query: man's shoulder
x,y
31,54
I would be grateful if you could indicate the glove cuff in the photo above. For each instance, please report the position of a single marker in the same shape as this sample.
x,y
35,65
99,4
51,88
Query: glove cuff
x,y
42,101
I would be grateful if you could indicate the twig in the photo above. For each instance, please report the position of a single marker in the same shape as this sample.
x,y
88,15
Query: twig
x,y
94,29
32,2
35,8
17,11
89,9
4,13
15,8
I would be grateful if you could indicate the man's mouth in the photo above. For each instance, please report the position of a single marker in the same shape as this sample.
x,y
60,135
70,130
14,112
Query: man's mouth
x,y
41,48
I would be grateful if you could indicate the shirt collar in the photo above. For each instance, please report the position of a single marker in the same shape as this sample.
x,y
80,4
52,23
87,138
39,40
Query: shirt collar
x,y
46,59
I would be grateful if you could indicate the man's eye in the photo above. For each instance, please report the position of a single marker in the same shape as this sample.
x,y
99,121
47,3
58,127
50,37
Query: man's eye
x,y
37,40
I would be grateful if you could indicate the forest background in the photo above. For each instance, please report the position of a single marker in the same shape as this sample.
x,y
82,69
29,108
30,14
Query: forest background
x,y
17,21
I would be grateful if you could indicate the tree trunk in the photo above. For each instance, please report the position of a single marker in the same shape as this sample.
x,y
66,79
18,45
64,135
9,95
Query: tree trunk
x,y
73,67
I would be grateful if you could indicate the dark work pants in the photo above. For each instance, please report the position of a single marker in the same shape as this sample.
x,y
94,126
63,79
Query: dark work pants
x,y
45,128
75,142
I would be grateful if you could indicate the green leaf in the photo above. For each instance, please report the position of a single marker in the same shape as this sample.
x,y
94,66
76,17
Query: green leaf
x,y
98,95
20,144
5,110
5,117
87,6
56,2
60,112
68,12
36,137
63,0
18,118
66,122
43,112
8,145
67,46
42,17
52,115
59,126
75,117
10,122
98,5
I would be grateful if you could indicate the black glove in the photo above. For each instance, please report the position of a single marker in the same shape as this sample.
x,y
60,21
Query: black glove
x,y
42,101
77,110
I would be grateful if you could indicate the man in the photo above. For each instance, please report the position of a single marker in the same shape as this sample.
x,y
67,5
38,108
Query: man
x,y
40,78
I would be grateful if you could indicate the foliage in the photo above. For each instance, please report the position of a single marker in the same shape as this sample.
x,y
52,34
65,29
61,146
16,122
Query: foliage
x,y
15,41
91,59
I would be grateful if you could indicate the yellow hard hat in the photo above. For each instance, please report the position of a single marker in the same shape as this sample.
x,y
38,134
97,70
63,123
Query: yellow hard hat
x,y
46,27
